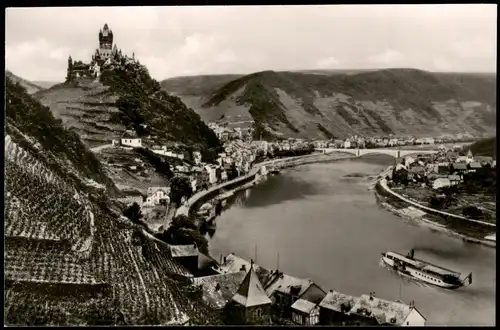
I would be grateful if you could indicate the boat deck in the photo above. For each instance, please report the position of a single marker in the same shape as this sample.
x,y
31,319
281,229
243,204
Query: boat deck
x,y
425,265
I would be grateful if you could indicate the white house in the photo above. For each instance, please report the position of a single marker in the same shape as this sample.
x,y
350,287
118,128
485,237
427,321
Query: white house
x,y
440,183
347,144
212,175
129,138
197,157
157,195
193,184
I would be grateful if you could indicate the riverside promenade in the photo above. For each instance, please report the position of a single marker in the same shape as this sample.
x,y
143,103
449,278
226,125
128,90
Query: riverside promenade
x,y
289,161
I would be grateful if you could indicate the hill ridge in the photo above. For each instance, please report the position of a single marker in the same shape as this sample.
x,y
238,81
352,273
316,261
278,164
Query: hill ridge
x,y
400,101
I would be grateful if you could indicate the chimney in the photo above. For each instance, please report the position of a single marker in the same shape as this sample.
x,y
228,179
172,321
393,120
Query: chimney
x,y
225,259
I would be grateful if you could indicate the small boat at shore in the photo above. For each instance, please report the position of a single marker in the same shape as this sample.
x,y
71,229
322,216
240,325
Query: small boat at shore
x,y
425,271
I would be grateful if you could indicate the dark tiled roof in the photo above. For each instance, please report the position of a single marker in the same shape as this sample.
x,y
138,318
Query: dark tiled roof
x,y
251,292
219,289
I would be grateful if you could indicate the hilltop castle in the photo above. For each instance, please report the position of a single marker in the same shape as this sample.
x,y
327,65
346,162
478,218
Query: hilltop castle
x,y
107,55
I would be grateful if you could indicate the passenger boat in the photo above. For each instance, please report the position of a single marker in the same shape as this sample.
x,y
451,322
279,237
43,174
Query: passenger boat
x,y
425,271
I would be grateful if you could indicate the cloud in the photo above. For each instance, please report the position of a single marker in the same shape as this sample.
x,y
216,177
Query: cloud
x,y
389,57
174,40
478,48
327,63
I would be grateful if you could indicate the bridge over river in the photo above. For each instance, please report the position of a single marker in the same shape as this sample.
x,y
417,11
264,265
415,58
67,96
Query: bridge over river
x,y
396,153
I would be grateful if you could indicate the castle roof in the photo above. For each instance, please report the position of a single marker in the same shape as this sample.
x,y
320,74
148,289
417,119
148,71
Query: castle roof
x,y
251,292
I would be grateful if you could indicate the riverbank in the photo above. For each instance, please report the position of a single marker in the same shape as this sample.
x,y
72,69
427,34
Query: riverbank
x,y
469,230
200,197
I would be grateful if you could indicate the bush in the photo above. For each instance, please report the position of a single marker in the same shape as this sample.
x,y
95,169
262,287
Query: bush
x,y
472,211
133,212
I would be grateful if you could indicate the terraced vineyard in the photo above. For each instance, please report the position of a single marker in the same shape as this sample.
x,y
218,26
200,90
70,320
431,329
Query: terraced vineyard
x,y
70,259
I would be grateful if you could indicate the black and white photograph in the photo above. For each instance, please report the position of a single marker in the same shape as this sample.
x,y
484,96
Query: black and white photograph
x,y
286,165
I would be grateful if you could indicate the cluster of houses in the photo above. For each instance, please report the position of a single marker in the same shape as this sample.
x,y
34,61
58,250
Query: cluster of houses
x,y
443,169
243,292
226,133
360,142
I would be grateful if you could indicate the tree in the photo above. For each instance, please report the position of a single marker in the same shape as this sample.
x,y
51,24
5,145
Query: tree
x,y
133,212
180,186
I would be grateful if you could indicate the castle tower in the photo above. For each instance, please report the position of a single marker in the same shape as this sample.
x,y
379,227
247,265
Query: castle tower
x,y
105,43
70,68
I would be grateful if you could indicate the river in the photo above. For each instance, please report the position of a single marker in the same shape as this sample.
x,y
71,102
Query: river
x,y
327,226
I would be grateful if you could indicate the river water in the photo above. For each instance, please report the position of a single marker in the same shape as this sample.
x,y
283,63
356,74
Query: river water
x,y
326,225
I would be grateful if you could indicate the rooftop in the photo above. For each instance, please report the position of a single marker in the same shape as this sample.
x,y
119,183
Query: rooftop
x,y
234,263
384,311
475,165
179,251
286,284
334,301
303,306
219,289
251,292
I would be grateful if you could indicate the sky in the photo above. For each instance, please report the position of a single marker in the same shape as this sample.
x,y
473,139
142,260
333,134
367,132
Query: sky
x,y
181,40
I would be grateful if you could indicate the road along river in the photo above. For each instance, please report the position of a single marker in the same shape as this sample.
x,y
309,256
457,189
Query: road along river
x,y
327,226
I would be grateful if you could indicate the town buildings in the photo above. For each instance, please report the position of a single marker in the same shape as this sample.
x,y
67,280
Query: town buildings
x,y
246,293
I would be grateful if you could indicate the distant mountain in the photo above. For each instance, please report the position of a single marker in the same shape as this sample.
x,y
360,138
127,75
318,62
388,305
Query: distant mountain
x,y
485,147
31,87
325,103
126,97
197,85
45,84
70,258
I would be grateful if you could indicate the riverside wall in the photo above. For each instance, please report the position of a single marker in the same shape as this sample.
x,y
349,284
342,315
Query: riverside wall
x,y
204,195
383,185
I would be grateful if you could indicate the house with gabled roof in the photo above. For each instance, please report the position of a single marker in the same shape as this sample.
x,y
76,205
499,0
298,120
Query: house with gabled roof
x,y
284,290
305,310
250,305
334,308
370,310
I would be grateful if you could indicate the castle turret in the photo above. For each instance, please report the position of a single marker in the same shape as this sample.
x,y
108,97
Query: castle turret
x,y
105,43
